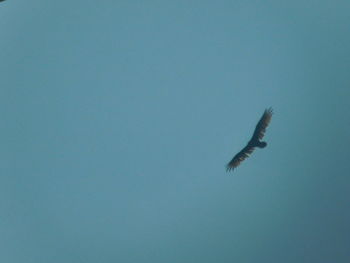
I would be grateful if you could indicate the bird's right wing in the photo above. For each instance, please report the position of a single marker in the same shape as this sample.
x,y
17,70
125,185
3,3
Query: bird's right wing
x,y
240,157
264,121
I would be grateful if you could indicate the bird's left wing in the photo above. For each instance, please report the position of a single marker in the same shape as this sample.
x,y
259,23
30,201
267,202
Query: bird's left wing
x,y
240,157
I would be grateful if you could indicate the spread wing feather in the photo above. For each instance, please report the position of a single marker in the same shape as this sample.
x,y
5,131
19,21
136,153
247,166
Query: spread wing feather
x,y
260,128
240,157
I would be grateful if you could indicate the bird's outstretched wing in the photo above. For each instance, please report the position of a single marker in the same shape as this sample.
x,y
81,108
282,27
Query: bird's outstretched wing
x,y
240,157
260,128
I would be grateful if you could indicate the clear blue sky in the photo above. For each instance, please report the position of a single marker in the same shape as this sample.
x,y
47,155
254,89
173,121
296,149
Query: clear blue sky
x,y
118,118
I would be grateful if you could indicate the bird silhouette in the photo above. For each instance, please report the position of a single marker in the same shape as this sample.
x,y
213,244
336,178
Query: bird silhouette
x,y
254,142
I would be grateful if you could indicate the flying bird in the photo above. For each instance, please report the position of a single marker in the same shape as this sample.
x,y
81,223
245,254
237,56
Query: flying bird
x,y
255,141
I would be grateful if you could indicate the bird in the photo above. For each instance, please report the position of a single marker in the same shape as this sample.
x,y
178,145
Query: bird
x,y
254,142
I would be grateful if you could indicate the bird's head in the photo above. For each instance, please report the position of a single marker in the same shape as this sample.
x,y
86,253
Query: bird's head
x,y
262,144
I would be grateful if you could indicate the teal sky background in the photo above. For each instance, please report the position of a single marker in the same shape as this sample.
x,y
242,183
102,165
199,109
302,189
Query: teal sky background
x,y
118,118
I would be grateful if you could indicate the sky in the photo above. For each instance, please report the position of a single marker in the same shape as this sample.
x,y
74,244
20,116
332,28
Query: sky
x,y
118,118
